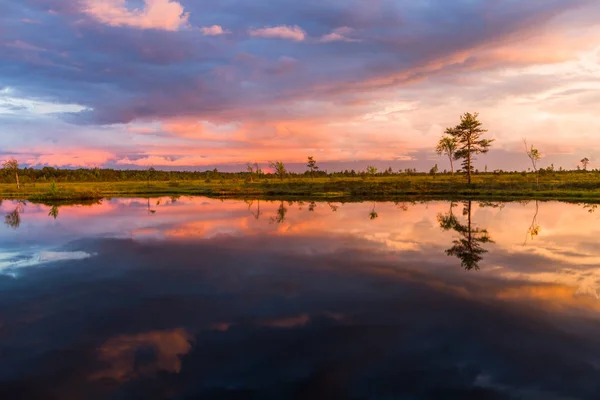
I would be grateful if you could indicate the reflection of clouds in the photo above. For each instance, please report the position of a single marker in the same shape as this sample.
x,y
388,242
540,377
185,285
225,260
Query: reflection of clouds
x,y
286,322
556,296
562,253
12,261
147,233
393,242
220,326
567,254
273,319
131,356
208,229
576,281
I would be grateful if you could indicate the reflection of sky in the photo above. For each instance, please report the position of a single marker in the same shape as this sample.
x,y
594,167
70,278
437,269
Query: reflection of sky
x,y
563,253
202,299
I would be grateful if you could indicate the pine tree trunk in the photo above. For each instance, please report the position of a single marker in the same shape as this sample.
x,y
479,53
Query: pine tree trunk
x,y
17,177
469,165
451,164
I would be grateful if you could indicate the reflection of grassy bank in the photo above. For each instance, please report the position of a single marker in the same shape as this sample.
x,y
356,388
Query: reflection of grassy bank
x,y
576,187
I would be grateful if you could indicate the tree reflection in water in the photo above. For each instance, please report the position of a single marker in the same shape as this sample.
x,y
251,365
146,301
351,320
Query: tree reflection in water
x,y
281,212
13,218
534,228
257,213
54,210
373,214
151,210
468,248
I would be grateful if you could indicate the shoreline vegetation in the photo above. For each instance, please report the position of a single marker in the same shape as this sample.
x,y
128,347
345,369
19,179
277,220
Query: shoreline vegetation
x,y
460,143
566,186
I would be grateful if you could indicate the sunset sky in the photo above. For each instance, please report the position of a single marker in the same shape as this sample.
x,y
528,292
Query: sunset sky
x,y
198,84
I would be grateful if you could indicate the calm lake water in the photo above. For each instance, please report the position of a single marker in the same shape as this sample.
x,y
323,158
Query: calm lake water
x,y
185,298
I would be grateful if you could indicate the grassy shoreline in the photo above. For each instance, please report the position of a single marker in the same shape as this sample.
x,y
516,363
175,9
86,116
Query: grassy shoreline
x,y
585,188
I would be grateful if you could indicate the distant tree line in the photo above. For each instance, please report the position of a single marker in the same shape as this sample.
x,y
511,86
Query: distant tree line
x,y
462,142
49,174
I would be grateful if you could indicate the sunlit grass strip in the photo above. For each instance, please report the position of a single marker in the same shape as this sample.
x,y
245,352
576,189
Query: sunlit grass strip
x,y
509,186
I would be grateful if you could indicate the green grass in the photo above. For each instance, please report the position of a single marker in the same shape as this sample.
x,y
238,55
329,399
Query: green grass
x,y
573,186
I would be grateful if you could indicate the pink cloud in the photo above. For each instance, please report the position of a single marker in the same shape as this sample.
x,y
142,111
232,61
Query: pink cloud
x,y
214,30
342,34
184,128
140,130
156,14
17,44
192,129
261,143
152,161
70,157
280,32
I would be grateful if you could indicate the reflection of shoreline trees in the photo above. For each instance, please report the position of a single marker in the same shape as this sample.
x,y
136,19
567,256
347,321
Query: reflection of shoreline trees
x,y
13,218
448,221
373,214
281,212
151,210
256,213
54,210
311,206
403,206
534,228
468,248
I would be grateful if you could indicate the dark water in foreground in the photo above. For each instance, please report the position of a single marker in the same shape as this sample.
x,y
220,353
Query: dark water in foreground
x,y
194,298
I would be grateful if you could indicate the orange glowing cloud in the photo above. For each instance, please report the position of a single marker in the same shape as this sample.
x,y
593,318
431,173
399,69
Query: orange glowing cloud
x,y
288,140
196,129
184,128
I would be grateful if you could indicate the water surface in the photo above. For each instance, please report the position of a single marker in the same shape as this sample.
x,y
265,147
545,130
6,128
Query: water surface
x,y
182,298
